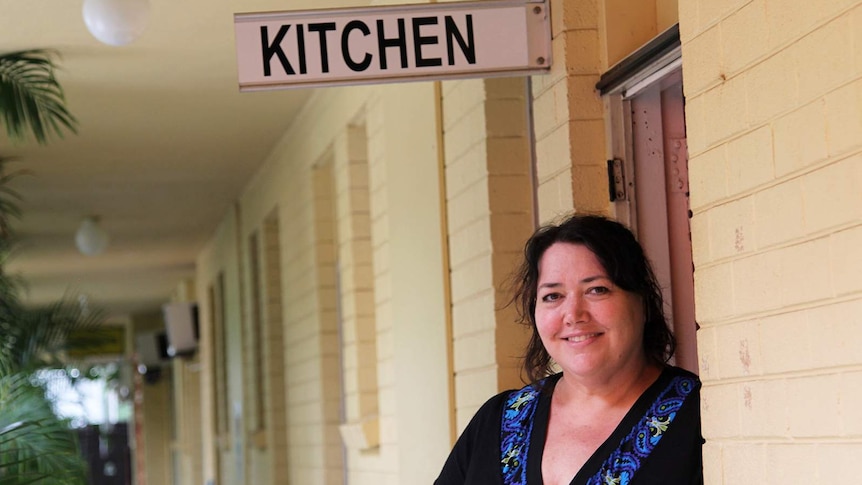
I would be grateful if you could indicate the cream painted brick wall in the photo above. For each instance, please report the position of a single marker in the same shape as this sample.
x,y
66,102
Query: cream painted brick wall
x,y
844,118
839,327
465,172
473,314
356,274
783,204
821,70
832,195
850,399
726,105
472,388
568,115
707,352
742,175
783,351
552,156
800,138
713,290
734,223
705,72
555,197
707,175
489,206
740,51
809,393
758,414
741,463
712,453
720,403
777,70
846,261
775,189
837,461
739,350
475,350
274,350
461,242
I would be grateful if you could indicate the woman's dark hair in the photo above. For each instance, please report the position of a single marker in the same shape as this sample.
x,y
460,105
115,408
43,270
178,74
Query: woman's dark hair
x,y
626,265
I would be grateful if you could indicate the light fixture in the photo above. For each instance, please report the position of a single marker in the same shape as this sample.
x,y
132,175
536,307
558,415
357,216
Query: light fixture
x,y
116,22
91,239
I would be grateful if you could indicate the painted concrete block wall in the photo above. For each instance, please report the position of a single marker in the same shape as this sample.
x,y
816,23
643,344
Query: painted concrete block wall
x,y
355,275
774,117
274,350
406,241
256,454
417,311
184,375
156,431
568,113
153,415
489,190
283,190
353,238
331,396
188,447
220,257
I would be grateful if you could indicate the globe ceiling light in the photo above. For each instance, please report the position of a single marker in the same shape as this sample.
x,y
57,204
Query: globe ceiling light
x,y
91,239
116,22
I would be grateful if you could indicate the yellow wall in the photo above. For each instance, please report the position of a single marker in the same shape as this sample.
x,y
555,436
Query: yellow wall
x,y
410,318
774,118
490,213
154,418
220,256
156,431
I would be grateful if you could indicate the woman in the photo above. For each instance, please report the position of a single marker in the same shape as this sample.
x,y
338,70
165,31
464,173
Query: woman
x,y
617,413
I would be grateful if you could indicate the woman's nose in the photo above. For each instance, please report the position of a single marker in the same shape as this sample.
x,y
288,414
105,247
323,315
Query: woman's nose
x,y
574,311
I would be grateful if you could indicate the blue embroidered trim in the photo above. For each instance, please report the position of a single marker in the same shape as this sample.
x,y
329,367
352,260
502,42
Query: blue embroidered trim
x,y
515,429
622,464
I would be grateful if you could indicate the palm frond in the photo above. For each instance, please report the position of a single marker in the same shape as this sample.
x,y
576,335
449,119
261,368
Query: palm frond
x,y
9,208
31,99
35,446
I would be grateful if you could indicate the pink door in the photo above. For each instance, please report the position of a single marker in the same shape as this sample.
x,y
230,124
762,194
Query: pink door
x,y
661,206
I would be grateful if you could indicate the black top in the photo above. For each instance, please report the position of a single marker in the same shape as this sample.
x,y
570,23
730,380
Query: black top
x,y
676,460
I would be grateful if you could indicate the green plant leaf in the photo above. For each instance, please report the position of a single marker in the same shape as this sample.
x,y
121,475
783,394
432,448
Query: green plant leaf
x,y
31,99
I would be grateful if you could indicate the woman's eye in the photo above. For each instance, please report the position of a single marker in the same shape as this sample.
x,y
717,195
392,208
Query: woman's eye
x,y
551,297
598,290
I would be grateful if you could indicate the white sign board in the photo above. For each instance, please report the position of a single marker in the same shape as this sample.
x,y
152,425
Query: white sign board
x,y
383,44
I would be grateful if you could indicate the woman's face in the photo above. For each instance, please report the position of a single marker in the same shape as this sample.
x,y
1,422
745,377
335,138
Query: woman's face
x,y
589,326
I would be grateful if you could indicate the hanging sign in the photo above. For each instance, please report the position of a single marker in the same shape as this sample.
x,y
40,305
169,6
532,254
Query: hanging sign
x,y
385,44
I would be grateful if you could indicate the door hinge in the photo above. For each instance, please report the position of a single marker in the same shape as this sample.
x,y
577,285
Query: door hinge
x,y
616,180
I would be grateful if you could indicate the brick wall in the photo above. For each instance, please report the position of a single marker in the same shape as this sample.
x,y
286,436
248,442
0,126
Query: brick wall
x,y
489,191
774,119
298,190
568,113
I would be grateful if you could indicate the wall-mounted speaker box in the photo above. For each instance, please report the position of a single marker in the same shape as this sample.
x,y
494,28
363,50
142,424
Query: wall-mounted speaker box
x,y
181,324
152,348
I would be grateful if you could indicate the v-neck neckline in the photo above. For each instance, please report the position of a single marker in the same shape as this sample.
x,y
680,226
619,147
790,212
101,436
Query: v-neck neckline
x,y
592,465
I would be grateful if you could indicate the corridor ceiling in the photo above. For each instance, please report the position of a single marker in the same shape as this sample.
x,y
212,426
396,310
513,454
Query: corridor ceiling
x,y
165,144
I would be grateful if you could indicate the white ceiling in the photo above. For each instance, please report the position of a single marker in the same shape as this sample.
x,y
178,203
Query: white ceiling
x,y
165,143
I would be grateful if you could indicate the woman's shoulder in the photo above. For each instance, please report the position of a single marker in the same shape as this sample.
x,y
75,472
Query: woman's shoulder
x,y
674,372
